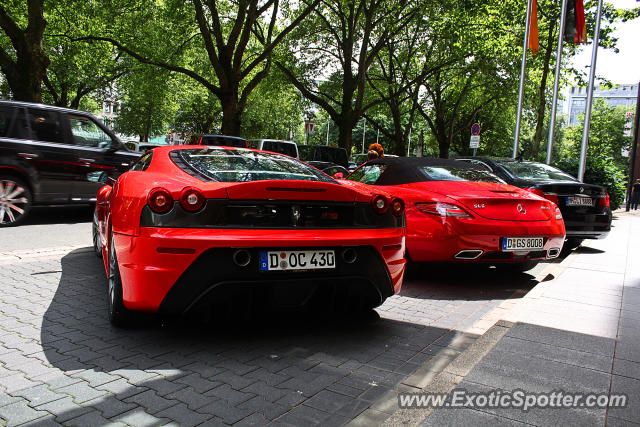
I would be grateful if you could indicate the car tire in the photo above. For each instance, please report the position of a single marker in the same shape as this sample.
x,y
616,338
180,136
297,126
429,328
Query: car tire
x,y
119,316
95,233
15,201
518,267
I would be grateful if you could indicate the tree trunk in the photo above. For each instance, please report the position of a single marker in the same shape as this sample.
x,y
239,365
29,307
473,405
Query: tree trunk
x,y
231,113
443,148
26,79
399,133
26,74
542,99
345,135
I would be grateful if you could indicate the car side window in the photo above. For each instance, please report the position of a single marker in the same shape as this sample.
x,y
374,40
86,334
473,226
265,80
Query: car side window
x,y
45,125
482,165
368,174
143,163
87,133
6,116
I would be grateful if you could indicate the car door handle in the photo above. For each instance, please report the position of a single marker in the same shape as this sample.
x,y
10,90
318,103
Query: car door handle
x,y
87,160
28,156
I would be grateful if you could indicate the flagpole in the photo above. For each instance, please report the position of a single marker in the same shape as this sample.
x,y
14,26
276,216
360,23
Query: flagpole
x,y
556,83
524,65
328,121
587,112
364,132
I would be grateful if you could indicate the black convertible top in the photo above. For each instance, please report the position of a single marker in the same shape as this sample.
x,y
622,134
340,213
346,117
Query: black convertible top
x,y
404,170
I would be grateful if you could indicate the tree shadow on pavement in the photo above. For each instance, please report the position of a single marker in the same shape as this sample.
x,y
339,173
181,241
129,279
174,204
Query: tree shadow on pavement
x,y
295,370
588,250
464,281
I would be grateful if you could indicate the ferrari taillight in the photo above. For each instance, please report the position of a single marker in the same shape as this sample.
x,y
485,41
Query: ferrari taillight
x,y
379,204
191,200
604,202
443,209
397,206
160,200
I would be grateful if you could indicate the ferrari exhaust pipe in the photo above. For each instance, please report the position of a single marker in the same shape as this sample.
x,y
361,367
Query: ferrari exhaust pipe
x,y
468,254
349,255
241,257
553,253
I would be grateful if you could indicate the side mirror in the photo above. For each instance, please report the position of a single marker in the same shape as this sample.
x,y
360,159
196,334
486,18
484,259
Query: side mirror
x,y
111,181
338,175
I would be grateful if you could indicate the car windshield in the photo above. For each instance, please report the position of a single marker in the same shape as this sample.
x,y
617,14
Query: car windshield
x,y
536,171
452,173
243,165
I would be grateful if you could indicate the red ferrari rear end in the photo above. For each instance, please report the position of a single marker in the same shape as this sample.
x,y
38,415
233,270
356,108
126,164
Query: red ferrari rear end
x,y
450,217
222,229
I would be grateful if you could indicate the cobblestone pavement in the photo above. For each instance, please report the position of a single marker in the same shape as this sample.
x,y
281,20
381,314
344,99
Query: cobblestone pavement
x,y
62,362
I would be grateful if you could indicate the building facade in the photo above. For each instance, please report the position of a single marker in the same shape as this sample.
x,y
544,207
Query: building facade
x,y
625,95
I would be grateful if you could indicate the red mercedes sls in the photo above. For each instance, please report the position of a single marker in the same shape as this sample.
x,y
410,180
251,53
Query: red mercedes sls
x,y
451,217
225,229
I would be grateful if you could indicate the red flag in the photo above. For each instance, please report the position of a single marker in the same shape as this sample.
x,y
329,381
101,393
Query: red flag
x,y
581,26
533,28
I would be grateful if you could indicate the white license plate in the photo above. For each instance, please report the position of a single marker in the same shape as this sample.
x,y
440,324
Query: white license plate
x,y
579,201
297,260
522,243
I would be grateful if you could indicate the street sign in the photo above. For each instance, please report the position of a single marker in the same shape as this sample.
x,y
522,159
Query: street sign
x,y
308,126
474,142
475,129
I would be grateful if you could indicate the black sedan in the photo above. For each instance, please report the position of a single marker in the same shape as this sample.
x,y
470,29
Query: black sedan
x,y
585,207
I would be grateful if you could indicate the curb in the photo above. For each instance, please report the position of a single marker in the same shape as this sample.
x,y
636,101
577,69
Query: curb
x,y
451,364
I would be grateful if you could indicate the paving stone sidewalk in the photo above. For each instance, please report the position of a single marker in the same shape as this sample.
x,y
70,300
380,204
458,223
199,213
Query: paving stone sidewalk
x,y
62,363
579,333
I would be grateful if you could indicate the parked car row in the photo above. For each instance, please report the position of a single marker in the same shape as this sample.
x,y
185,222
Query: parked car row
x,y
585,207
192,228
459,212
55,156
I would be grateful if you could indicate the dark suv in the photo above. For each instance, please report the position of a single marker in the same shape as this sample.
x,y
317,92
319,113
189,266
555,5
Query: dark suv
x,y
53,156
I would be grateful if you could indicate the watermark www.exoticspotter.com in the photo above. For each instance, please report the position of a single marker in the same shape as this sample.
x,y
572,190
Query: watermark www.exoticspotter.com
x,y
519,399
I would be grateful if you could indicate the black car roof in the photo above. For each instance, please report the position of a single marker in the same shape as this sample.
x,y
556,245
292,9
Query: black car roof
x,y
43,106
403,170
497,159
212,135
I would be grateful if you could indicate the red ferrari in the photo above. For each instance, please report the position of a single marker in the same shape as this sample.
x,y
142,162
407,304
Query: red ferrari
x,y
451,217
225,229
